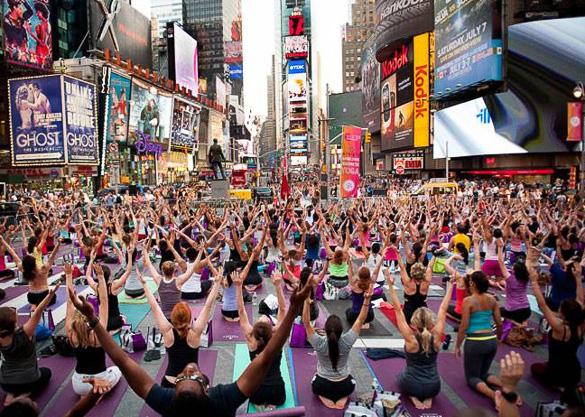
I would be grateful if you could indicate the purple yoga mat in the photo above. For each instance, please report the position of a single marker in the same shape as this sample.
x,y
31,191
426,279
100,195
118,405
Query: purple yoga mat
x,y
13,292
61,299
60,368
304,366
451,370
225,331
207,362
285,412
387,372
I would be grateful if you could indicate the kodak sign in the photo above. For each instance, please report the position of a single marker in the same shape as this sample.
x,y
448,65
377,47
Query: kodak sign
x,y
421,91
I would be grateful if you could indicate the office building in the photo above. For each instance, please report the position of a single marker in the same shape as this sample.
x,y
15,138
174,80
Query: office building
x,y
363,23
165,11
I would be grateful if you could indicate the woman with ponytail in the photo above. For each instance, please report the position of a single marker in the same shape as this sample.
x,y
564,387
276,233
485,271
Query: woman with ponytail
x,y
272,391
181,336
422,341
333,382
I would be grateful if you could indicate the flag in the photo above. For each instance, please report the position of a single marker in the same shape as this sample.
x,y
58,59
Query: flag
x,y
575,120
284,187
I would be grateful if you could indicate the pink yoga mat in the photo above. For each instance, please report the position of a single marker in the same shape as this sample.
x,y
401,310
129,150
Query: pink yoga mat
x,y
207,362
387,372
304,366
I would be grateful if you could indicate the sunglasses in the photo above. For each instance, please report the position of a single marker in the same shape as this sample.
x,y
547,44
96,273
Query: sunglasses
x,y
196,378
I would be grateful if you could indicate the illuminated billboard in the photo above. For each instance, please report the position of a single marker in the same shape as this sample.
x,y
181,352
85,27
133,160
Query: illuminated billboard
x,y
297,87
469,48
52,121
370,71
185,126
27,33
296,47
183,58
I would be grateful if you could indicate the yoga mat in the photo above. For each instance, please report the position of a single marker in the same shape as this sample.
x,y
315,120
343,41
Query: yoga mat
x,y
61,299
225,331
338,308
207,363
304,365
124,299
14,292
241,362
452,373
285,412
387,372
134,314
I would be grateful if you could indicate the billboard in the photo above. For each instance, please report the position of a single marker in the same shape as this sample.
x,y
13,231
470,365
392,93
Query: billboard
x,y
121,28
468,42
220,91
80,121
371,86
422,71
118,109
28,37
297,87
183,58
298,145
145,118
184,132
298,160
298,126
52,121
297,67
165,107
350,162
233,52
296,47
36,121
408,161
402,19
236,71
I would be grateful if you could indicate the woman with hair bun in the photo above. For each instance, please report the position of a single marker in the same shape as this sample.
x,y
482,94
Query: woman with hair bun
x,y
181,336
422,341
480,312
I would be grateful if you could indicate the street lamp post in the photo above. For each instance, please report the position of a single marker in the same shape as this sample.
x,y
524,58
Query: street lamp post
x,y
579,94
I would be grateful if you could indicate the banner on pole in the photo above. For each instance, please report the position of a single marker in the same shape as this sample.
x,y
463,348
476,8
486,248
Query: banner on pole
x,y
350,161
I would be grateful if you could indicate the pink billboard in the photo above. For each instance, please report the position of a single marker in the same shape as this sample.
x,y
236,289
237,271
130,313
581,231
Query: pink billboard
x,y
350,161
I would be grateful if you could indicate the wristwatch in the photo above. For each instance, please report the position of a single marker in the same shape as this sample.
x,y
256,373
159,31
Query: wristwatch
x,y
510,396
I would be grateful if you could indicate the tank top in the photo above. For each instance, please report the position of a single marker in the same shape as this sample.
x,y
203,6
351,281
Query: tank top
x,y
338,270
2,262
357,300
273,254
460,294
516,244
230,302
420,366
19,360
169,295
491,251
480,320
180,354
90,360
562,359
113,306
273,377
193,284
416,300
516,297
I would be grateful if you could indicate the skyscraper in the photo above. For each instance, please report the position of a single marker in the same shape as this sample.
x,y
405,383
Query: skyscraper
x,y
363,22
166,11
217,26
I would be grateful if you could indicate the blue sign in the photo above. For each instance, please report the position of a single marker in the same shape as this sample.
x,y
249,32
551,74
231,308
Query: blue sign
x,y
36,121
297,67
81,124
236,71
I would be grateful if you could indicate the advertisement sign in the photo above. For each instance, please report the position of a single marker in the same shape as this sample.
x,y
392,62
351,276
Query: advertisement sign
x,y
371,86
575,122
80,121
165,107
183,59
298,144
233,52
401,19
236,71
297,67
397,98
468,45
298,126
410,161
297,87
121,28
202,86
469,130
421,91
119,108
36,121
27,33
296,47
220,91
298,160
296,25
145,115
185,127
350,161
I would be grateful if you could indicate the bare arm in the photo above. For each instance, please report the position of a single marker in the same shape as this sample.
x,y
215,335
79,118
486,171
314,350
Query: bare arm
x,y
238,281
35,318
207,311
361,318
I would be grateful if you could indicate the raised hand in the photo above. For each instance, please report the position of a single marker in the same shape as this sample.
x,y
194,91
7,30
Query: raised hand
x,y
81,304
277,278
236,279
299,295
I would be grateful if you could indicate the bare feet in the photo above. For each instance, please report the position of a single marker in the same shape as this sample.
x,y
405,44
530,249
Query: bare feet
x,y
339,405
366,326
418,405
428,403
8,400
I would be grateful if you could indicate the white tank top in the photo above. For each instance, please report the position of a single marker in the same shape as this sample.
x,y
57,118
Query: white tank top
x,y
491,251
193,284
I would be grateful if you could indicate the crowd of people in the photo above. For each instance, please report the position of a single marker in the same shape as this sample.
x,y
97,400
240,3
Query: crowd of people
x,y
496,247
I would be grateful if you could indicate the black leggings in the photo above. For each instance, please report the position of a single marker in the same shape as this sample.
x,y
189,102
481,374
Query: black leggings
x,y
32,387
478,356
269,395
333,390
519,316
205,286
7,274
35,298
352,316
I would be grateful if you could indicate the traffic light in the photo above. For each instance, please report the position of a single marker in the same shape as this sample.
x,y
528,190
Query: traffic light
x,y
368,136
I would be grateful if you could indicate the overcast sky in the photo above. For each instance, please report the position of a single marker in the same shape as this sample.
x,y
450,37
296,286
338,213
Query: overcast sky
x,y
328,18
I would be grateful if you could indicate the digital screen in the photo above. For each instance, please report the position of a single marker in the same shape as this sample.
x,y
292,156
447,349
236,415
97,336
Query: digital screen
x,y
119,108
371,87
28,37
296,47
185,123
186,64
469,48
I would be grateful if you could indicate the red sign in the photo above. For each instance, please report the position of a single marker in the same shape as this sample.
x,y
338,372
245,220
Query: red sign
x,y
575,122
395,61
296,25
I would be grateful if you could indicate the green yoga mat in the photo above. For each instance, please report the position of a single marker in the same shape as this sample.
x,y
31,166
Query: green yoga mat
x,y
134,314
124,299
242,360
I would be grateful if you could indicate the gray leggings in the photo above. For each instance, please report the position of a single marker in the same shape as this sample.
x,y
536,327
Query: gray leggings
x,y
478,356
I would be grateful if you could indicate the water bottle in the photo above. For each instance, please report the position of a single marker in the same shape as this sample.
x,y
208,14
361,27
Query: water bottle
x,y
254,298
